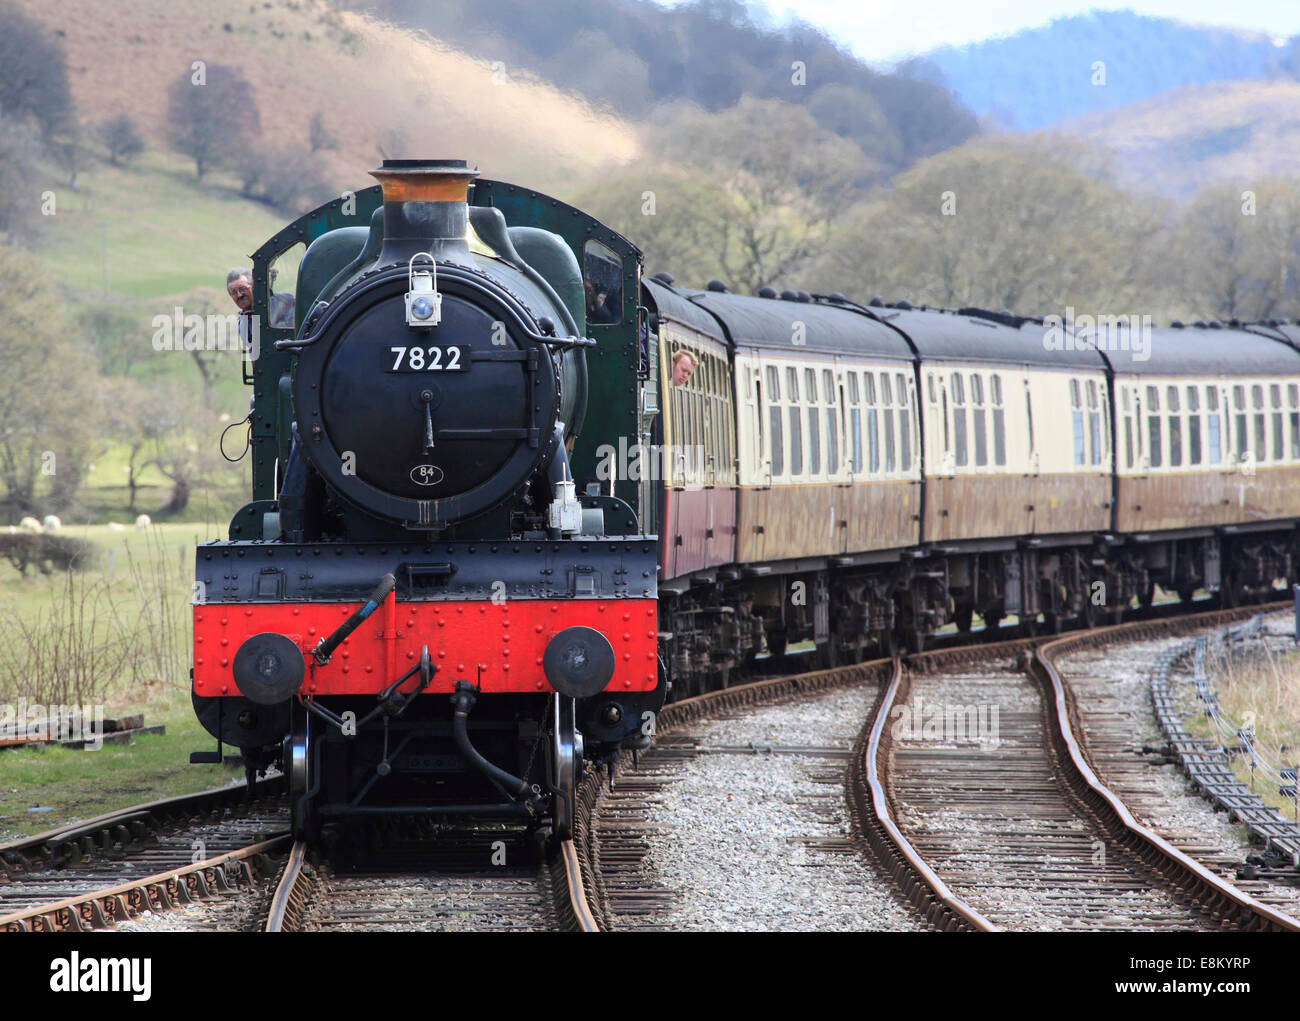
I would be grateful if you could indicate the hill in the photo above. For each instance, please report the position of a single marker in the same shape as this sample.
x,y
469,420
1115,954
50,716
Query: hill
x,y
1039,77
377,86
1179,142
636,55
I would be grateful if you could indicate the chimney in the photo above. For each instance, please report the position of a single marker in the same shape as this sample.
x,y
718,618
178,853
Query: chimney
x,y
425,209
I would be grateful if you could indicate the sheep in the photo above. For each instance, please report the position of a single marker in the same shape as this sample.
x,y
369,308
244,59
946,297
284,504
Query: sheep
x,y
29,524
113,526
142,523
51,523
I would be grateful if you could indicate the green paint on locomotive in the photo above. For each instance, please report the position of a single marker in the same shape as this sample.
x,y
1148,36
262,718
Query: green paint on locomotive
x,y
344,234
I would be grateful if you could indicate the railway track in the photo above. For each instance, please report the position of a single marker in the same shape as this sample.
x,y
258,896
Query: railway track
x,y
457,880
1021,832
1180,786
148,858
1053,844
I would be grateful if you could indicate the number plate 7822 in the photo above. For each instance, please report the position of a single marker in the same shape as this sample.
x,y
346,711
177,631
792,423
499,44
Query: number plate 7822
x,y
427,359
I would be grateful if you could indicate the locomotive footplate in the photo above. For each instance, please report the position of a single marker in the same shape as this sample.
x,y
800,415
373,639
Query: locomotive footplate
x,y
253,571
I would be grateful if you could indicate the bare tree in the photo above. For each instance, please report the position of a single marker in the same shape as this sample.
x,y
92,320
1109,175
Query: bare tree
x,y
1025,227
121,138
319,137
34,83
211,115
785,180
47,419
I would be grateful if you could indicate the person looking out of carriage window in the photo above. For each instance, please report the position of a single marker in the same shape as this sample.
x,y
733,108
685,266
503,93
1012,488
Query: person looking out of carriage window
x,y
683,366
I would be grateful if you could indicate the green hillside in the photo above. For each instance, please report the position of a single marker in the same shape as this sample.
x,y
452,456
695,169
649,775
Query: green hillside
x,y
149,230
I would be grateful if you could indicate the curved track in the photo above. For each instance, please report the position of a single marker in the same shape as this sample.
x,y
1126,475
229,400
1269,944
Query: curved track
x,y
984,838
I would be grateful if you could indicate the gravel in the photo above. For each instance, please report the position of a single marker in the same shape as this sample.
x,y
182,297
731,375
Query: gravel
x,y
762,842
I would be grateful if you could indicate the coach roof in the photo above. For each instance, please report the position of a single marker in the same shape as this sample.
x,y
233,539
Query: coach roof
x,y
977,336
1208,351
672,303
784,325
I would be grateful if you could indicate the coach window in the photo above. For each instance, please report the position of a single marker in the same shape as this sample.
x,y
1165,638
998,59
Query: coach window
x,y
1293,413
1239,421
796,421
1076,418
1094,421
959,419
977,421
1257,403
814,422
999,421
832,425
904,424
777,451
943,417
1193,425
677,407
1213,427
1175,427
933,398
709,437
1155,442
873,429
887,413
1275,405
855,423
1125,413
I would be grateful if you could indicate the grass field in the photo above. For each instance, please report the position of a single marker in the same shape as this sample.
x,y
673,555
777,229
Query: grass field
x,y
120,230
147,578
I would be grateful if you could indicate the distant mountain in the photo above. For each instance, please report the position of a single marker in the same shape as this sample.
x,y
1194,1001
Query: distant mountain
x,y
1042,76
1187,138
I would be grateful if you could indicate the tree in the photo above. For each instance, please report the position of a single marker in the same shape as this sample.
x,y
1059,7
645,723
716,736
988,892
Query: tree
x,y
1238,252
121,138
287,179
180,441
855,115
114,329
20,198
211,115
34,82
68,147
1019,227
679,219
48,419
785,177
319,136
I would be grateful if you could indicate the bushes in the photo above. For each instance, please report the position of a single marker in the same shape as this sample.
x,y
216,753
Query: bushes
x,y
45,552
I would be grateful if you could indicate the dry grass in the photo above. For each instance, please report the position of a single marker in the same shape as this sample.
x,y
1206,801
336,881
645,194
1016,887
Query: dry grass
x,y
375,84
90,637
1263,690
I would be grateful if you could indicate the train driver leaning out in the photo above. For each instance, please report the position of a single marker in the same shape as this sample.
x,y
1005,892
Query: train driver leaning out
x,y
683,366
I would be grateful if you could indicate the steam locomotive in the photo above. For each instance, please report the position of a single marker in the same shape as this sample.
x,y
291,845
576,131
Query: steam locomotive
x,y
492,530
421,612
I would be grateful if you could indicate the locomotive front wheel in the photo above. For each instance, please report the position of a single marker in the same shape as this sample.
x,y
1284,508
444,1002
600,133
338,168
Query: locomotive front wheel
x,y
299,753
566,758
